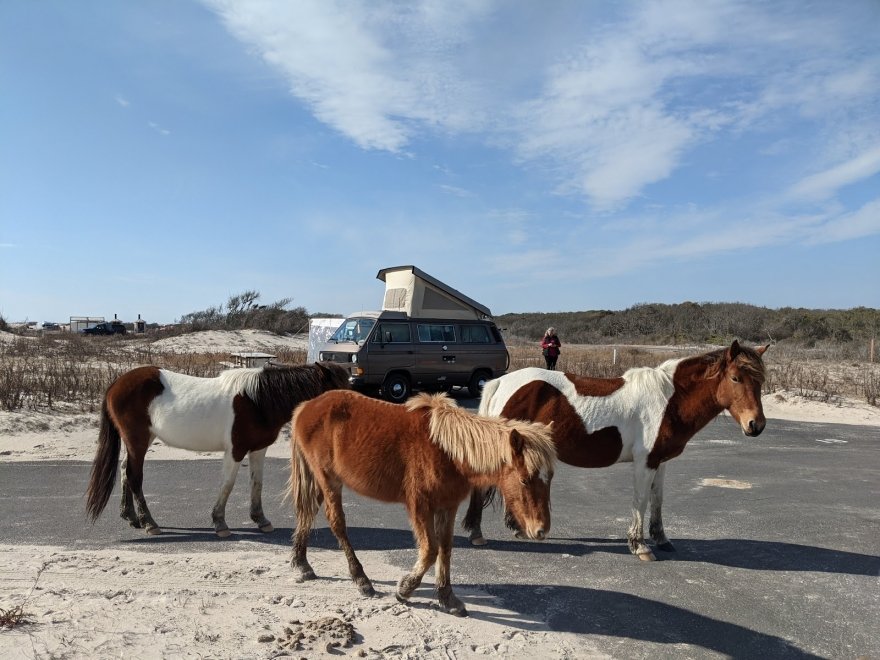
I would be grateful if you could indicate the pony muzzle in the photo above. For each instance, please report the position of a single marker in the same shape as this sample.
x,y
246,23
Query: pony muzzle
x,y
754,427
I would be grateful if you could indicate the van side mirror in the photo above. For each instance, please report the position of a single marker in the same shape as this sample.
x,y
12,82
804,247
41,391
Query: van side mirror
x,y
388,336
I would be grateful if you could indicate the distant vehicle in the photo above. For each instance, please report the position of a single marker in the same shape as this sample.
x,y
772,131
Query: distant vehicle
x,y
48,325
109,328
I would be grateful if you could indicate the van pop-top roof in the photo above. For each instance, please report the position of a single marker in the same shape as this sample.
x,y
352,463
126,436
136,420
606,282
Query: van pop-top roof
x,y
417,294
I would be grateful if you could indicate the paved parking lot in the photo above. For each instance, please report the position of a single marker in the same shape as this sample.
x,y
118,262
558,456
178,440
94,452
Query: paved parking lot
x,y
777,542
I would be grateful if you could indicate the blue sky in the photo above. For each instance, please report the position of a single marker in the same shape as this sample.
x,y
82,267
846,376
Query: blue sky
x,y
158,156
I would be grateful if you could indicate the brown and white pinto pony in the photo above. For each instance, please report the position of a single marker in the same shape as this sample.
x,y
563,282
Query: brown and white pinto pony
x,y
646,417
240,412
427,454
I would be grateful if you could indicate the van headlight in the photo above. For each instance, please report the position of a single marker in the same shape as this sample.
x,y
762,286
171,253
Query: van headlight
x,y
354,357
320,357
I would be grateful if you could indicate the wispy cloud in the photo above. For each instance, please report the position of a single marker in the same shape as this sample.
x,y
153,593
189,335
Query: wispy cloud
x,y
158,129
620,112
456,191
122,101
825,184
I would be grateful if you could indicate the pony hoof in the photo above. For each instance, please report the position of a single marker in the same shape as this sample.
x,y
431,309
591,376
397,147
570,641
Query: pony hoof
x,y
460,610
666,547
305,576
153,531
267,528
223,533
479,540
647,556
367,590
401,599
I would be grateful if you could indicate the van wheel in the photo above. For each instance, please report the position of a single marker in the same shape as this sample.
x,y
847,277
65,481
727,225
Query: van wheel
x,y
478,382
396,388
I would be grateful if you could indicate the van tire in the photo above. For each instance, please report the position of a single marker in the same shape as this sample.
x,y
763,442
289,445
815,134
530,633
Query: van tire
x,y
396,388
478,381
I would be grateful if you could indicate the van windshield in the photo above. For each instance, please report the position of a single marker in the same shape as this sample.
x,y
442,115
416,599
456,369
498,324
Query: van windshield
x,y
356,330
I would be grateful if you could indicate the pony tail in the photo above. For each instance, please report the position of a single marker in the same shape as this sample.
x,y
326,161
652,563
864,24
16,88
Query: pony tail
x,y
302,488
104,468
489,390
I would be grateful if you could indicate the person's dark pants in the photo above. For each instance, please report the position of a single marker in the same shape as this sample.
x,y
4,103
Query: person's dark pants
x,y
551,362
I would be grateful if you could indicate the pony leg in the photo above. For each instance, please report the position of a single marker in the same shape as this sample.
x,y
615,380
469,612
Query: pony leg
x,y
444,521
305,518
655,527
422,520
257,459
642,479
336,521
126,506
218,513
134,475
474,517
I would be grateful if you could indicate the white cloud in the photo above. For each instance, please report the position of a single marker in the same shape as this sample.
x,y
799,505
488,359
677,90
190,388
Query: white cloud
x,y
158,129
848,226
455,191
825,184
612,110
121,100
370,70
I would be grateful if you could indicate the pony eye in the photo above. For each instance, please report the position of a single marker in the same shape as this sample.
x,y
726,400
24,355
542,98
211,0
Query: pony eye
x,y
735,379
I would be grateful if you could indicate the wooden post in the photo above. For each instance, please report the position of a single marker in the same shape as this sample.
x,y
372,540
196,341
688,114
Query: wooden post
x,y
871,352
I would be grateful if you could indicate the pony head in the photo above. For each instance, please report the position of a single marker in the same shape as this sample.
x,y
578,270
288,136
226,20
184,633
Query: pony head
x,y
740,375
524,483
335,376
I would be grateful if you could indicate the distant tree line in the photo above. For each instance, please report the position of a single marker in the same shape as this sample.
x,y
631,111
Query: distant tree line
x,y
688,322
243,310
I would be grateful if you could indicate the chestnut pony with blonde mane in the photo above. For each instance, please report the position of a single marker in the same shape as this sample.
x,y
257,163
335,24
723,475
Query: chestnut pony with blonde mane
x,y
427,454
646,418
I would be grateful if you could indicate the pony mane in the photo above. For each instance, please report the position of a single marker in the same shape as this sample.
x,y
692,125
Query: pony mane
x,y
483,443
645,380
748,359
279,389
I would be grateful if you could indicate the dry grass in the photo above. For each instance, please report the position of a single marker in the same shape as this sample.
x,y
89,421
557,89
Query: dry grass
x,y
817,376
41,373
45,373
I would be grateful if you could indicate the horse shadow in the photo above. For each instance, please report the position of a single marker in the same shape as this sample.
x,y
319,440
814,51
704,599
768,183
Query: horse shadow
x,y
587,611
362,538
734,553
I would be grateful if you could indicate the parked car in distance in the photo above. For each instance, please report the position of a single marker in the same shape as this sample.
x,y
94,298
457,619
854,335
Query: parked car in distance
x,y
49,325
107,328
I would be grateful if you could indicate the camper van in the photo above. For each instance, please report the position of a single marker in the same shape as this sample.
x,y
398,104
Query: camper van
x,y
428,337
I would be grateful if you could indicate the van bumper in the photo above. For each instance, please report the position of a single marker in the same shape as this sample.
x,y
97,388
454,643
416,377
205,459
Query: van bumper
x,y
358,383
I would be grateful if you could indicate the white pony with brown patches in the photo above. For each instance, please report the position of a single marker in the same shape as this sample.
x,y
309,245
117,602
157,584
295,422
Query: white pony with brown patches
x,y
646,418
240,412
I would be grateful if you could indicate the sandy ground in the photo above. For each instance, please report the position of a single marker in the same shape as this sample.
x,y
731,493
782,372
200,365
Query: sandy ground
x,y
244,602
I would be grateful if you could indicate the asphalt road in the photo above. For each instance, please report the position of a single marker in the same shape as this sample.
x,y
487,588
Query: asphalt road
x,y
787,567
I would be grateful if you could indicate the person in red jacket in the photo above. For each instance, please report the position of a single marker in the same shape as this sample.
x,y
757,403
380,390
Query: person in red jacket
x,y
550,348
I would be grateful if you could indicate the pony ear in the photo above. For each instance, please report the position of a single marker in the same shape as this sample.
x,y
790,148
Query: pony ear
x,y
762,349
516,442
733,351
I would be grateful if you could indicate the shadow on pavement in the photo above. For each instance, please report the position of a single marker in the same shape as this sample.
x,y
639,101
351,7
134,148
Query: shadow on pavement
x,y
599,612
735,553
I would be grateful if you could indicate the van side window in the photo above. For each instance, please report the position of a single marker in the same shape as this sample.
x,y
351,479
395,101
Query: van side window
x,y
474,334
436,332
393,333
